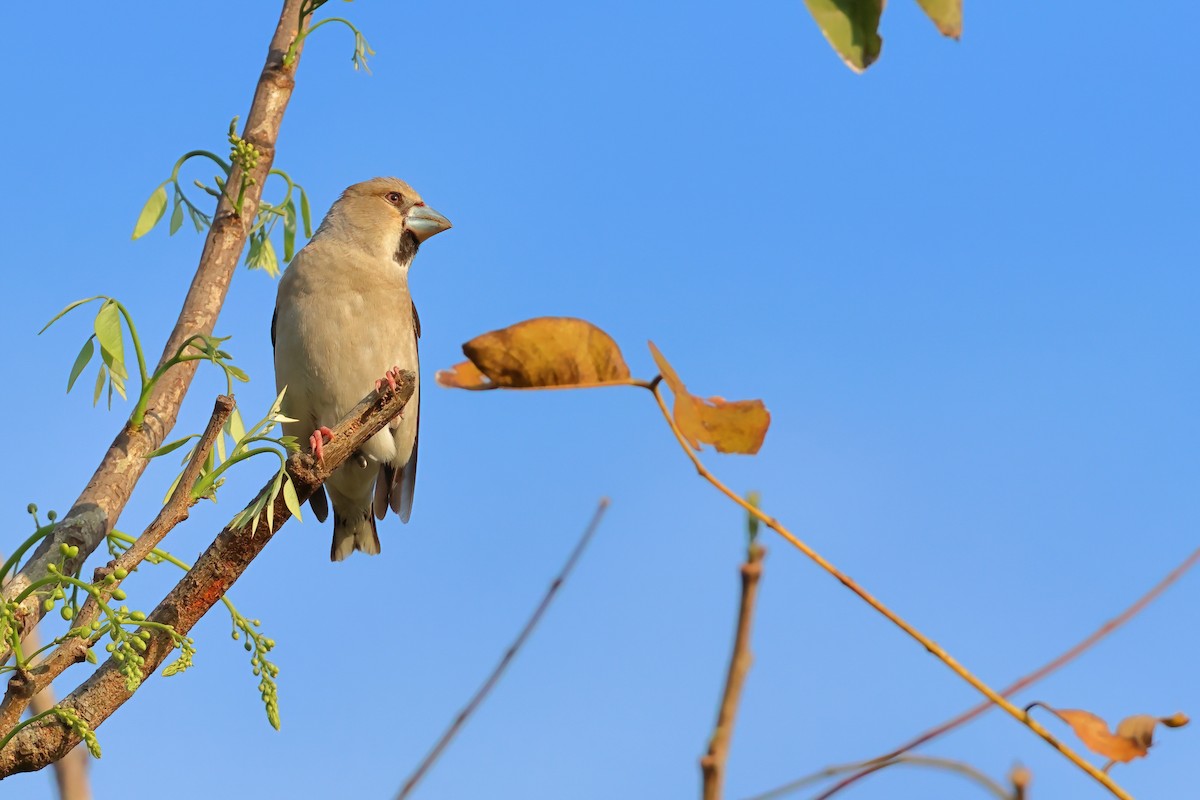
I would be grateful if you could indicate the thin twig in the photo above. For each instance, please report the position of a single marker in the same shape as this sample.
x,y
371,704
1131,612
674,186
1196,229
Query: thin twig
x,y
1065,658
482,692
74,649
712,764
208,580
933,647
98,506
945,764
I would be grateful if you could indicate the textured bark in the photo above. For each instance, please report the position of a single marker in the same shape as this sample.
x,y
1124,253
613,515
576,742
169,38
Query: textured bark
x,y
96,510
202,587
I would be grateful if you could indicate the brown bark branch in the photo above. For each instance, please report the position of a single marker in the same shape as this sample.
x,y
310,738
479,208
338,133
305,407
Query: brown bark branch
x,y
26,683
482,692
70,771
712,764
203,586
97,508
865,768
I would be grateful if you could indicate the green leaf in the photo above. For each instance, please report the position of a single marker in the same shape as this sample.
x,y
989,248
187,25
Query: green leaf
x,y
851,27
220,447
81,361
289,230
172,447
290,498
108,333
305,214
275,488
67,310
198,219
946,14
269,261
100,377
235,426
151,212
177,216
237,373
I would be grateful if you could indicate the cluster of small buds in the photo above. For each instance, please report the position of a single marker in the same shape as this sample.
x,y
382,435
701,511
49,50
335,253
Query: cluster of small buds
x,y
187,649
79,728
241,152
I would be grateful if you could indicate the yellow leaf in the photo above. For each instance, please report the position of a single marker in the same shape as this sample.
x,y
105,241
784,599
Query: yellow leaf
x,y
539,353
463,376
1132,739
731,427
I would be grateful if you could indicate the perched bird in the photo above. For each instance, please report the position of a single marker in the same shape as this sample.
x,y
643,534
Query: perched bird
x,y
344,323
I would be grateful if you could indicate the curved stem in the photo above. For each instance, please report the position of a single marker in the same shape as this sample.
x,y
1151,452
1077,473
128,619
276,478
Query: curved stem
x,y
290,56
193,154
12,561
933,647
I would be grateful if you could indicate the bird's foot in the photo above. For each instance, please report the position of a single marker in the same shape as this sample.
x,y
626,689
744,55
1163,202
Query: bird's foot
x,y
390,377
320,437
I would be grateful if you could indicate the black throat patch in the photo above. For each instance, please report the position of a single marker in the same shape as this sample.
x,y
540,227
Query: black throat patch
x,y
406,251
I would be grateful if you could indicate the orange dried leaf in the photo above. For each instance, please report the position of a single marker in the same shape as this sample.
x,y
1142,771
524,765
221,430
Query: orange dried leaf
x,y
1132,739
731,427
544,352
1093,732
463,376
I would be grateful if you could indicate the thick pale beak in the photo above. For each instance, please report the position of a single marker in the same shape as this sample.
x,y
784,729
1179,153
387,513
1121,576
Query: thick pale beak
x,y
424,222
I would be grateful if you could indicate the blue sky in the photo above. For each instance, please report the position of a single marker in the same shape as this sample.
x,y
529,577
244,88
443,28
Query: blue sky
x,y
964,283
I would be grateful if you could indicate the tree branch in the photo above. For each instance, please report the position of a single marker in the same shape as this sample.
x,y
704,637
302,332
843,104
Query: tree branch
x,y
494,678
934,649
70,771
202,587
712,764
97,508
26,683
865,768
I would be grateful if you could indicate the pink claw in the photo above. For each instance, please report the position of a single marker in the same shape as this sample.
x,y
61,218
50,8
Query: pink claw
x,y
389,378
320,437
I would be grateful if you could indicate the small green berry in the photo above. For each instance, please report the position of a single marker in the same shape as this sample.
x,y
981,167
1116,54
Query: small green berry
x,y
119,594
121,573
47,605
67,612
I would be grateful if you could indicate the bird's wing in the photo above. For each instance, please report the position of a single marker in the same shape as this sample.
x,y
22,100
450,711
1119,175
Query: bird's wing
x,y
406,478
394,487
317,501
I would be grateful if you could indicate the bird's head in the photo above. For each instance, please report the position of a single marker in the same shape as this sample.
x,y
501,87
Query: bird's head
x,y
386,213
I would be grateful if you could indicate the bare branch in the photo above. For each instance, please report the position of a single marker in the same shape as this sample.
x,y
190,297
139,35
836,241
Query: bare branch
x,y
712,765
202,587
37,679
944,764
1136,607
934,649
494,678
97,508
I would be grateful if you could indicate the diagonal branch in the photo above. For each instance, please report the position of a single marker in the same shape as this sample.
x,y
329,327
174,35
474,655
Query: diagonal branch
x,y
865,768
97,508
712,765
494,678
201,588
28,683
70,771
936,650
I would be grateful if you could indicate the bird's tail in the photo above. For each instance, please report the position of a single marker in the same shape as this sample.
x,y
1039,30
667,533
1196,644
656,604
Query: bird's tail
x,y
356,532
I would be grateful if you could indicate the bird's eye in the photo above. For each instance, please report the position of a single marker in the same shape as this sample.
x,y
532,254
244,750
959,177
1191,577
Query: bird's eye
x,y
395,198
